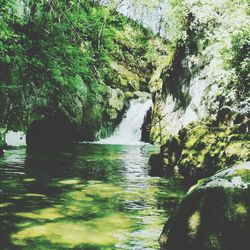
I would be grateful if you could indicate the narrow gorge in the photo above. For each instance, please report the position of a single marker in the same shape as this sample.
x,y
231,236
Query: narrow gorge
x,y
124,124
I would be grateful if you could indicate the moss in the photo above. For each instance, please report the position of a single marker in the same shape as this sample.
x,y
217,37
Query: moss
x,y
194,223
206,148
213,242
244,174
127,77
129,95
239,149
195,135
213,215
241,209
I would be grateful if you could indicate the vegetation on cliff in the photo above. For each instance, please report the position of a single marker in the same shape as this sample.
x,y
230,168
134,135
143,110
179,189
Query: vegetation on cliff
x,y
202,113
74,59
208,64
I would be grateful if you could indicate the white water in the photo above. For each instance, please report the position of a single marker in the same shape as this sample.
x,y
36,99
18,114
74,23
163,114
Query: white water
x,y
15,138
129,131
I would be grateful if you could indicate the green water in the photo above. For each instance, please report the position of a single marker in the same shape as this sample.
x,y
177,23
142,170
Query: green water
x,y
90,197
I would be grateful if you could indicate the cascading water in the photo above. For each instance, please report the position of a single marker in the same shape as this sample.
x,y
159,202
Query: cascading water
x,y
129,131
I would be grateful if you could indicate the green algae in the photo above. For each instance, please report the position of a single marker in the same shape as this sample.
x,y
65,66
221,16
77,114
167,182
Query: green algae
x,y
101,231
96,212
194,222
44,214
7,204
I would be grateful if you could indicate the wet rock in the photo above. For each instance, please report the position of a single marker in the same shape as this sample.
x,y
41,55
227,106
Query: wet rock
x,y
168,157
146,127
204,147
157,165
214,214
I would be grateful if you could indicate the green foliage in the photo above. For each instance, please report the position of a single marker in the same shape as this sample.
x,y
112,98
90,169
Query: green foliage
x,y
56,41
48,46
240,56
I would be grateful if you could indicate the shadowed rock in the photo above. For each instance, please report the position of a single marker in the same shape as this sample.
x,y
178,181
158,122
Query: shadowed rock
x,y
214,215
50,133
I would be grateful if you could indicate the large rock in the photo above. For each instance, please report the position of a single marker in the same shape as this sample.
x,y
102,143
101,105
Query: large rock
x,y
215,214
146,126
204,147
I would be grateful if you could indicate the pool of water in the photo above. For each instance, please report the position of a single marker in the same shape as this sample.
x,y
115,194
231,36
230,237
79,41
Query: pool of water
x,y
88,197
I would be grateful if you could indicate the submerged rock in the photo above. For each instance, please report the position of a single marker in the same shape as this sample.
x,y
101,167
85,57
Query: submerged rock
x,y
214,215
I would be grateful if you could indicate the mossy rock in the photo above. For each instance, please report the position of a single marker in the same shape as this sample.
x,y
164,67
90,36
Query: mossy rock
x,y
116,99
207,146
129,95
214,215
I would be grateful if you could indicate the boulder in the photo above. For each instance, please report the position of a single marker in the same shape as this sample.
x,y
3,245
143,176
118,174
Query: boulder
x,y
146,126
214,215
156,165
206,146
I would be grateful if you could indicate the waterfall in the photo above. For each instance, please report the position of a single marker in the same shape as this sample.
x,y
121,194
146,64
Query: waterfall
x,y
129,130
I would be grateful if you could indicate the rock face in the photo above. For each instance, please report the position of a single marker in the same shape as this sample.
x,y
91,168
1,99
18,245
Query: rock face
x,y
196,82
146,127
84,93
206,146
214,215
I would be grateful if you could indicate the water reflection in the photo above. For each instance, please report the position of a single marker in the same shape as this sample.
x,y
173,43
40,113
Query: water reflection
x,y
90,197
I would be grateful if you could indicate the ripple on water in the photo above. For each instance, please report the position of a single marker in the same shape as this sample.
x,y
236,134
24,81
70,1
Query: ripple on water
x,y
94,197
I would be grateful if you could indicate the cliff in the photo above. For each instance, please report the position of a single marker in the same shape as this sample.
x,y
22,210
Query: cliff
x,y
68,69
